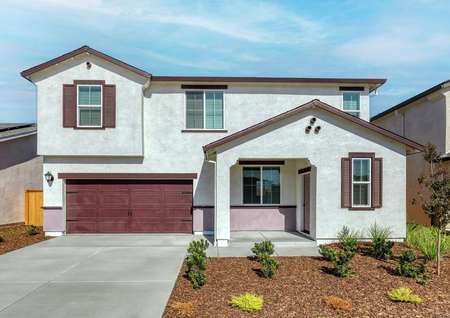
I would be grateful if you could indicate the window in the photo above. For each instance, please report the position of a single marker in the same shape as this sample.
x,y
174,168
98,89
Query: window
x,y
361,180
261,185
351,103
204,110
89,105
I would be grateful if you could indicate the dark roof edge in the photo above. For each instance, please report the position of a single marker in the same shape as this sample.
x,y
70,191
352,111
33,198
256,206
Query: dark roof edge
x,y
311,104
84,49
411,100
242,79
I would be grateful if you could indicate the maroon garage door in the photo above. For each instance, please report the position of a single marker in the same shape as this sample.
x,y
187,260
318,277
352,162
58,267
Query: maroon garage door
x,y
129,206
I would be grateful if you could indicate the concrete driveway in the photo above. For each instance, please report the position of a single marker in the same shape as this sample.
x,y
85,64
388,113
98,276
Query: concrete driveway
x,y
91,276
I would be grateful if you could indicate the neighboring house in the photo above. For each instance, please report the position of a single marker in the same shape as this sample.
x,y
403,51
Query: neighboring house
x,y
134,152
20,170
424,118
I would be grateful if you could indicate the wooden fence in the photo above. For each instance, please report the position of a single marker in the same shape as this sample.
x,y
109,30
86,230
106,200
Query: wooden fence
x,y
33,208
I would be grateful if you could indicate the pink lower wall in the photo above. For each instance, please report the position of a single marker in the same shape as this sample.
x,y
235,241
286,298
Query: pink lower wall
x,y
54,220
249,218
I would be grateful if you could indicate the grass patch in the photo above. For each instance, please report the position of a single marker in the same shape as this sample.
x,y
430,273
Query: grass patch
x,y
424,238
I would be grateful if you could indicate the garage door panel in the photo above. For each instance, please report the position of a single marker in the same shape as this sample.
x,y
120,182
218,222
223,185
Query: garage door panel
x,y
142,198
112,226
113,212
81,226
82,211
81,198
114,198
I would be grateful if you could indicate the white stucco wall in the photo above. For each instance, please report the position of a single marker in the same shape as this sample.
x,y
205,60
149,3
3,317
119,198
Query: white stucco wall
x,y
55,140
324,150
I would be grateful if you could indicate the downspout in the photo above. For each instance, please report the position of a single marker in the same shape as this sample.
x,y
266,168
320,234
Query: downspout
x,y
146,86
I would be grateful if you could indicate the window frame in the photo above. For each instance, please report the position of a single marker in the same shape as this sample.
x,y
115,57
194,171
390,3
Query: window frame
x,y
261,184
369,183
92,106
203,91
351,112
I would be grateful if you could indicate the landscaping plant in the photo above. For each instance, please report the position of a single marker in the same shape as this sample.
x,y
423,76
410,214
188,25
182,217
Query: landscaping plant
x,y
338,303
197,262
327,253
348,239
183,309
405,295
33,230
424,238
381,247
263,254
247,302
408,268
436,197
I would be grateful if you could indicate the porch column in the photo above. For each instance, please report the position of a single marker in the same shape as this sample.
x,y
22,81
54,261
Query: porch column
x,y
222,204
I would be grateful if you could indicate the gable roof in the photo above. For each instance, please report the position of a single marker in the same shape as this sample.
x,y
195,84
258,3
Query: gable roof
x,y
81,50
412,99
310,105
373,83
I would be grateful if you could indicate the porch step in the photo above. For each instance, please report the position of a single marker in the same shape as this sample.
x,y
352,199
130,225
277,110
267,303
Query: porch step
x,y
278,238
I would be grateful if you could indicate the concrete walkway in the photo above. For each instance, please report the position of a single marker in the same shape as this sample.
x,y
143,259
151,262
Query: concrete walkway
x,y
286,244
91,276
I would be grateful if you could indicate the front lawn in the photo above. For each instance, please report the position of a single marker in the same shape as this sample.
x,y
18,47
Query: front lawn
x,y
304,286
18,236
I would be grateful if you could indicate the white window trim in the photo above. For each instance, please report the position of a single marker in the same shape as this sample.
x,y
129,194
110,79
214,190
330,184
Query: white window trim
x,y
352,111
369,189
260,176
204,110
93,106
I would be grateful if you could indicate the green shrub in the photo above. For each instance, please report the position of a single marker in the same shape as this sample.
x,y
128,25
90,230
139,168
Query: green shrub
x,y
348,239
381,247
424,238
197,262
247,302
263,253
408,268
341,260
33,230
342,264
263,248
269,266
405,295
327,253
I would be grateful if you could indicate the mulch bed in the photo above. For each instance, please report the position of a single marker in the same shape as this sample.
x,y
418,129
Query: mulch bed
x,y
299,288
16,237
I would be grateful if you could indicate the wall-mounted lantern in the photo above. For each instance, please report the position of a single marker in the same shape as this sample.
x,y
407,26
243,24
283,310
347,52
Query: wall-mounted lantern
x,y
49,178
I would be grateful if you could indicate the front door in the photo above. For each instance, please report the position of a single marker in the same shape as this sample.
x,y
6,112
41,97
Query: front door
x,y
306,203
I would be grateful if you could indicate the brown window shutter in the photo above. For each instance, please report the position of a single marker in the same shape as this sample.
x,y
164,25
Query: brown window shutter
x,y
346,195
69,106
109,106
377,183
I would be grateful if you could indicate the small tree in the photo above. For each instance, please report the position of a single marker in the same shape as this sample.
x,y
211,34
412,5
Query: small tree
x,y
436,197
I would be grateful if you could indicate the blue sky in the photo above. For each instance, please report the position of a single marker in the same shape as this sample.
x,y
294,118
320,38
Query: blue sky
x,y
405,41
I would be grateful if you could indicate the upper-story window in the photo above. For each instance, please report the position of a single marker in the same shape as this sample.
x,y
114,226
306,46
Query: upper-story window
x,y
89,105
361,182
204,110
351,103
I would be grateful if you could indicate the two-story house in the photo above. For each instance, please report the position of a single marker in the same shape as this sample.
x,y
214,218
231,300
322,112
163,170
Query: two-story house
x,y
126,151
424,118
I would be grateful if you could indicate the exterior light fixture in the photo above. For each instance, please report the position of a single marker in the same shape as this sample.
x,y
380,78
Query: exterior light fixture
x,y
308,129
317,129
88,65
49,178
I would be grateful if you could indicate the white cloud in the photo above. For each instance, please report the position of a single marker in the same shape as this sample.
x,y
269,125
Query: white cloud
x,y
251,21
396,47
